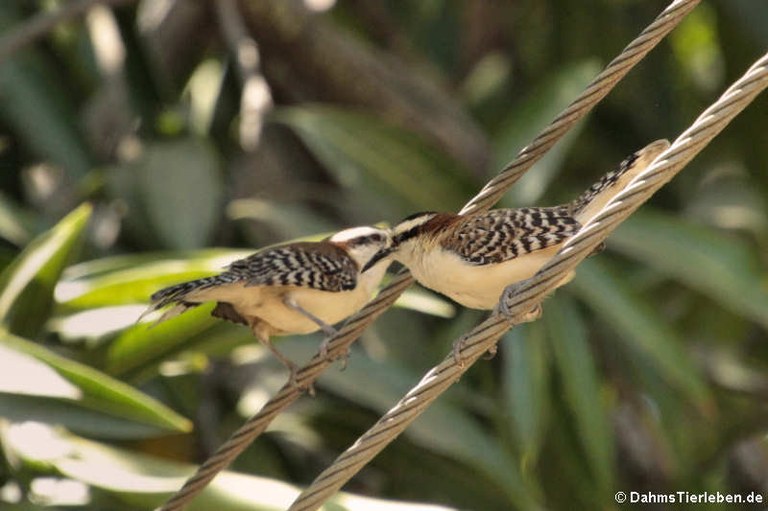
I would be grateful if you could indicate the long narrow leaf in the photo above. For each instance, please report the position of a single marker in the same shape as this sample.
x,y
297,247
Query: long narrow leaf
x,y
27,284
37,384
443,428
574,360
135,282
720,266
144,482
363,150
639,326
525,380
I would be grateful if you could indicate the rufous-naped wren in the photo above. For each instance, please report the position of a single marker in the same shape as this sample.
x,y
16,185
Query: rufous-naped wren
x,y
472,258
296,288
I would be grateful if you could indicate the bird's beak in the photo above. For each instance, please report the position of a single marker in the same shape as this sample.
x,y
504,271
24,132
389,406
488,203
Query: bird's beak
x,y
378,256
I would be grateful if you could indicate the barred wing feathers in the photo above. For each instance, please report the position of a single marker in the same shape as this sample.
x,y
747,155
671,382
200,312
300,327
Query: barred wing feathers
x,y
319,266
503,234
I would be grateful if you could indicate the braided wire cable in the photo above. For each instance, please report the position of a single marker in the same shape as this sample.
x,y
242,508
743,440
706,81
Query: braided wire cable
x,y
593,94
519,299
338,345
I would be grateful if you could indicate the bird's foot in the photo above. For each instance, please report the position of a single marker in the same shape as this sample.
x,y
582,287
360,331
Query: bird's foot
x,y
459,346
597,249
325,347
293,379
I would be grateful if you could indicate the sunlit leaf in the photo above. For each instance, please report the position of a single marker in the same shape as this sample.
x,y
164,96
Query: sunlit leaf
x,y
144,482
118,286
97,323
133,279
26,286
37,384
424,301
581,385
13,224
138,351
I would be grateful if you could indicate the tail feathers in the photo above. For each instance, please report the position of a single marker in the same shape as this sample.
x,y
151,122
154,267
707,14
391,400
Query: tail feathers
x,y
176,295
589,203
176,310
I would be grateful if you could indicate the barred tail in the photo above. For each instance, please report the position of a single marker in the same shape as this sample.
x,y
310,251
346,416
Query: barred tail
x,y
589,203
176,295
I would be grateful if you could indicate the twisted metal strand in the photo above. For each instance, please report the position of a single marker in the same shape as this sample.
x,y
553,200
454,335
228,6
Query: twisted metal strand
x,y
526,294
339,344
289,393
593,94
518,300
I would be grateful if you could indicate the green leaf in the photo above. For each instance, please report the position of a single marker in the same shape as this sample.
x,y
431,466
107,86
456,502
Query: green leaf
x,y
444,427
581,385
144,482
132,279
138,351
531,115
37,384
13,223
368,154
426,302
718,265
95,324
27,284
525,388
113,285
173,191
638,325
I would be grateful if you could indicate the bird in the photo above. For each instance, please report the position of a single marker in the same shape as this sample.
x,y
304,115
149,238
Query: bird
x,y
472,258
294,288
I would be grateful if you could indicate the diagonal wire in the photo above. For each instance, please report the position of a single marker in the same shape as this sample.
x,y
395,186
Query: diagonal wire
x,y
519,299
593,94
339,344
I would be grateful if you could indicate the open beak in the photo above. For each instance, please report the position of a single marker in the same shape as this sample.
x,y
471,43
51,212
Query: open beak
x,y
378,256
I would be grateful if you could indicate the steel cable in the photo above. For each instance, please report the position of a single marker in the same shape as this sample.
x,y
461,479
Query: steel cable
x,y
519,299
339,344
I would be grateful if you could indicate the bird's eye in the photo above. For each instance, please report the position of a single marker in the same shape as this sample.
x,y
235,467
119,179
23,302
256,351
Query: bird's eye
x,y
373,238
363,240
404,236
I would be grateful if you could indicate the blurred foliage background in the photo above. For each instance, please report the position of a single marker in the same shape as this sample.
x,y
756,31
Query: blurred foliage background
x,y
138,140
